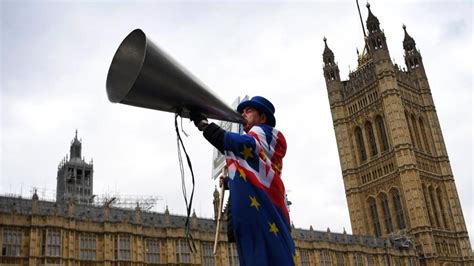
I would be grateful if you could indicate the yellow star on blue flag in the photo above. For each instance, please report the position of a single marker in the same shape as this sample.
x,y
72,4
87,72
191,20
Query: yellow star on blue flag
x,y
273,228
247,152
254,202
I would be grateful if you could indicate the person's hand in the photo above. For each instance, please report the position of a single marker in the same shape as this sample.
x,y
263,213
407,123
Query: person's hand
x,y
200,121
221,180
224,182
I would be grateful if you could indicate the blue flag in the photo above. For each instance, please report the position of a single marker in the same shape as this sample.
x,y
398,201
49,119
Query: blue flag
x,y
257,196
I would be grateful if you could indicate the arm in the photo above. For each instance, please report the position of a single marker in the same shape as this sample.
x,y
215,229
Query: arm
x,y
212,132
215,135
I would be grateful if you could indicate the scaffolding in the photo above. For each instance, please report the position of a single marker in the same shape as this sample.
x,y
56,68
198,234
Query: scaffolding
x,y
145,203
113,200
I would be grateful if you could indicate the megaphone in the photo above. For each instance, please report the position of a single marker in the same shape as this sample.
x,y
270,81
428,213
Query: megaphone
x,y
142,75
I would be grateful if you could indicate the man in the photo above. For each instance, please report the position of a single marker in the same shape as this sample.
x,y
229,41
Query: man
x,y
261,223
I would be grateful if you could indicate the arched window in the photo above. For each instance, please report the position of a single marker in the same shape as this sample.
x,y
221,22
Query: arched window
x,y
417,134
424,135
379,43
386,213
304,255
415,61
370,134
410,130
370,260
358,259
382,134
397,204
360,144
442,207
325,258
435,210
339,259
375,217
429,206
374,44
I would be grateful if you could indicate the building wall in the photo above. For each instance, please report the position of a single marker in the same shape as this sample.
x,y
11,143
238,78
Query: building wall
x,y
394,161
52,233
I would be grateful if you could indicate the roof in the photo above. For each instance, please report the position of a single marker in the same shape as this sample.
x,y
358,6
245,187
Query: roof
x,y
84,212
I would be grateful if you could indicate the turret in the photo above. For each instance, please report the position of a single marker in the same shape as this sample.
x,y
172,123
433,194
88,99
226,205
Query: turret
x,y
414,64
376,42
413,58
331,75
331,70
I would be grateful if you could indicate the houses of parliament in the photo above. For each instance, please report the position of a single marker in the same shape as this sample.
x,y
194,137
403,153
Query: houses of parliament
x,y
400,190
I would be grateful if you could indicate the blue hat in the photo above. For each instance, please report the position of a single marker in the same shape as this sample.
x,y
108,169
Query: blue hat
x,y
262,105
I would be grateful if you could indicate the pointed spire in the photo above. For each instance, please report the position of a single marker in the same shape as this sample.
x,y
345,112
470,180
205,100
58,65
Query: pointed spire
x,y
370,16
408,41
413,58
372,21
327,50
35,194
75,149
331,70
34,202
328,55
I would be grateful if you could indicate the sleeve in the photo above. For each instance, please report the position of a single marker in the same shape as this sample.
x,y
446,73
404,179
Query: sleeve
x,y
233,142
215,135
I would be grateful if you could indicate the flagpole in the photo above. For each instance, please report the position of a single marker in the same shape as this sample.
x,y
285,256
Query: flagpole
x,y
219,215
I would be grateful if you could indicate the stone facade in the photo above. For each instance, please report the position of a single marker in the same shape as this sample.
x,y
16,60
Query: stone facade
x,y
74,232
394,162
36,232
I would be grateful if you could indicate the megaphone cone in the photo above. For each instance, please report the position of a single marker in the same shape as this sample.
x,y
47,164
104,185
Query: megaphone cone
x,y
142,75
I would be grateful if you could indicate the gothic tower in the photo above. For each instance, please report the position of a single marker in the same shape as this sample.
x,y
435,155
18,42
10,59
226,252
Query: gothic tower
x,y
74,180
396,171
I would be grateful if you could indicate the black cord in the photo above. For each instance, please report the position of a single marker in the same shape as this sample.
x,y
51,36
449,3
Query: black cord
x,y
187,225
182,129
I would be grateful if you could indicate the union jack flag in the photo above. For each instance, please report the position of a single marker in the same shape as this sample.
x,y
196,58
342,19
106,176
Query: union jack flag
x,y
257,196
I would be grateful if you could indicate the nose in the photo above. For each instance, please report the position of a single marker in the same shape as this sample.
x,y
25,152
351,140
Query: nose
x,y
245,118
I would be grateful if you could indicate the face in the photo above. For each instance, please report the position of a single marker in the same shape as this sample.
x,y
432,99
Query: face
x,y
252,118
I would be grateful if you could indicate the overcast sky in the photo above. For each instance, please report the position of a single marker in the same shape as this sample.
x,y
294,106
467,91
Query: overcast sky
x,y
54,61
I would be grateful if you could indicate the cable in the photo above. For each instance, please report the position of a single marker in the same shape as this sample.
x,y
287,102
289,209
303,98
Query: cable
x,y
187,225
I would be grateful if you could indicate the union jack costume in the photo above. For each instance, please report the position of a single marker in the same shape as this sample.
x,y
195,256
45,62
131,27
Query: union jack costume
x,y
257,195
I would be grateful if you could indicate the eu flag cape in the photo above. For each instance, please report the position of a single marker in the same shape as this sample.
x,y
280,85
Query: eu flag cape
x,y
257,196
